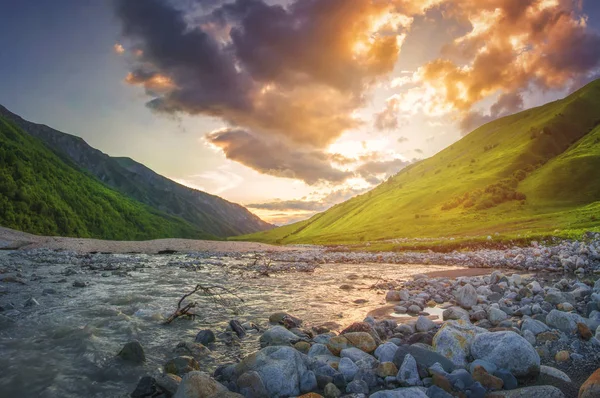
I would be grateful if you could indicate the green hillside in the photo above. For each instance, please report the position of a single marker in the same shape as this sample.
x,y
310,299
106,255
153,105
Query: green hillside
x,y
43,194
534,172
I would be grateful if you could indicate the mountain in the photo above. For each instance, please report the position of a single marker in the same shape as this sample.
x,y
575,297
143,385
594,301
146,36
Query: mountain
x,y
43,194
206,212
529,173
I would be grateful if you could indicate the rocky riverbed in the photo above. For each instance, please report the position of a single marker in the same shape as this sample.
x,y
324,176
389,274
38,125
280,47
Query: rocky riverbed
x,y
74,324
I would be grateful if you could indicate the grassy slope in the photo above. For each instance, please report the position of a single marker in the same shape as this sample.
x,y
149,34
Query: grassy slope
x,y
557,143
41,193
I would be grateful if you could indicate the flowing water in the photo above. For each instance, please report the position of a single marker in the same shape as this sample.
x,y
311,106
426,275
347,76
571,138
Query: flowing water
x,y
66,345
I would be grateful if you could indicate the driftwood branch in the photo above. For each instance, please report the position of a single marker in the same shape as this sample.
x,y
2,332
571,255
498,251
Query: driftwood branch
x,y
217,294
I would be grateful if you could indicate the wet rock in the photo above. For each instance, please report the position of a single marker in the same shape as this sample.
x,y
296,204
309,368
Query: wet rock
x,y
195,350
237,327
80,284
145,388
168,383
132,352
591,387
199,385
408,375
181,365
529,392
507,350
283,318
563,321
453,340
466,296
278,336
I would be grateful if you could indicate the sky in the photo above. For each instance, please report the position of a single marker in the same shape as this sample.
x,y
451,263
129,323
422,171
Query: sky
x,y
288,106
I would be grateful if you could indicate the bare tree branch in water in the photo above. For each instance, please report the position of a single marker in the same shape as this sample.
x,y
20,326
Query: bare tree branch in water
x,y
219,295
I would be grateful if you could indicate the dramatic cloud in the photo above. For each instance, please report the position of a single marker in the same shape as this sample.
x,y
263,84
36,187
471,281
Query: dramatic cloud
x,y
304,204
507,104
275,157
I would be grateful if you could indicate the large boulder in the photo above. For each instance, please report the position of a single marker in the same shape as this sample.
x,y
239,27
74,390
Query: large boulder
x,y
280,369
133,352
386,351
591,387
408,375
507,350
453,340
455,313
466,296
278,336
564,321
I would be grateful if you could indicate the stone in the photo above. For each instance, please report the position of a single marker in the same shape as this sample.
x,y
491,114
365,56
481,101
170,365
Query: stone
x,y
357,387
567,307
489,367
79,284
553,372
361,340
331,391
132,352
347,368
466,296
412,392
279,367
425,357
437,392
199,385
562,356
181,365
145,388
460,379
356,355
453,340
311,395
424,324
563,321
507,350
487,380
308,382
385,352
530,337
547,336
536,327
302,346
31,302
414,309
510,381
278,336
591,387
529,392
250,385
496,316
386,369
584,331
168,383
408,375
397,295
205,337
237,327
281,317
455,313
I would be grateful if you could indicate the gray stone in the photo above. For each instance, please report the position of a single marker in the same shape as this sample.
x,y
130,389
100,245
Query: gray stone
x,y
563,321
553,372
356,354
412,392
424,324
488,366
436,392
496,316
385,352
453,340
347,368
250,385
507,350
425,357
31,302
535,327
277,336
199,385
357,387
466,296
168,382
455,313
408,375
510,381
308,382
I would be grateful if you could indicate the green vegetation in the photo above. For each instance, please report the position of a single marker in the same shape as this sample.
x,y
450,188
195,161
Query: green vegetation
x,y
43,194
525,176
